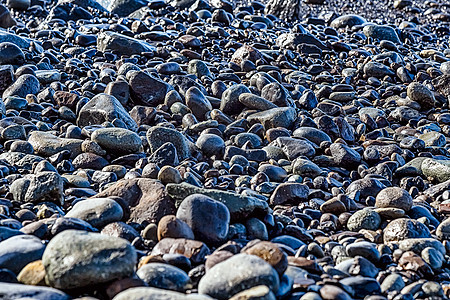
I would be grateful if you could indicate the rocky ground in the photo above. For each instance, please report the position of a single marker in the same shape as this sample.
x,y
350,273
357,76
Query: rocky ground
x,y
208,150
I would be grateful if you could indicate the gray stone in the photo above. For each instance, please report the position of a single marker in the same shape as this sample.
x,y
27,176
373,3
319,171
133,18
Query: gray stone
x,y
24,85
236,274
394,197
364,219
75,259
14,291
401,229
164,276
18,251
275,117
157,136
98,211
121,44
44,186
382,32
117,140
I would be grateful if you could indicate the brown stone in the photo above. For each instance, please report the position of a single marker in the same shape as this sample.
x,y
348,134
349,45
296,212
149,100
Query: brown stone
x,y
271,253
304,263
171,227
217,257
143,115
194,250
63,98
32,274
410,261
147,199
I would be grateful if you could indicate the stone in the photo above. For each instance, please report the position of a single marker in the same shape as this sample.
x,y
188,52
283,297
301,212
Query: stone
x,y
44,186
210,144
347,21
394,197
208,218
146,89
289,193
275,117
24,85
364,219
18,251
381,32
196,251
401,229
242,271
117,140
164,276
154,293
121,44
344,156
102,108
14,291
230,103
98,211
10,54
157,136
171,227
75,259
32,274
146,198
421,94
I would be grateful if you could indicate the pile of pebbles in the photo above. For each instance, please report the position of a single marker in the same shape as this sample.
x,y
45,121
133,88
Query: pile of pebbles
x,y
204,150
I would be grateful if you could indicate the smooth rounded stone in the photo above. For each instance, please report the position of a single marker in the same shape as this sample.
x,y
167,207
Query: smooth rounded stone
x,y
98,211
260,292
432,257
435,169
14,291
122,230
230,103
433,139
358,266
392,282
198,68
344,156
171,227
253,101
342,96
256,229
168,174
443,230
158,136
196,251
401,229
143,293
364,249
312,134
394,197
102,108
210,144
48,76
381,32
163,276
18,251
421,94
75,259
365,187
10,54
275,117
197,103
432,288
289,193
363,286
417,245
364,219
24,85
147,89
334,206
306,167
44,186
32,274
294,148
122,44
311,296
236,274
246,52
390,213
331,292
377,70
117,140
347,21
208,218
6,232
89,161
271,253
277,94
275,173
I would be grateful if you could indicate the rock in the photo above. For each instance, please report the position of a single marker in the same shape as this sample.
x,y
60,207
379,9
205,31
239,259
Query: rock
x,y
208,218
211,144
24,85
255,102
246,52
381,33
289,193
394,197
98,211
312,134
102,108
258,292
275,117
44,186
421,94
392,282
363,286
328,292
46,144
10,54
16,291
197,103
196,251
18,251
239,206
401,229
271,253
32,274
75,259
347,21
146,198
364,219
164,276
117,140
154,293
230,103
358,266
171,227
435,169
443,230
293,148
257,272
157,136
305,167
292,40
6,21
344,155
121,44
147,90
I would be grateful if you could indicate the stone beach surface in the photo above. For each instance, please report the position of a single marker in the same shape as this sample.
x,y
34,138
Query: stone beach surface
x,y
195,149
